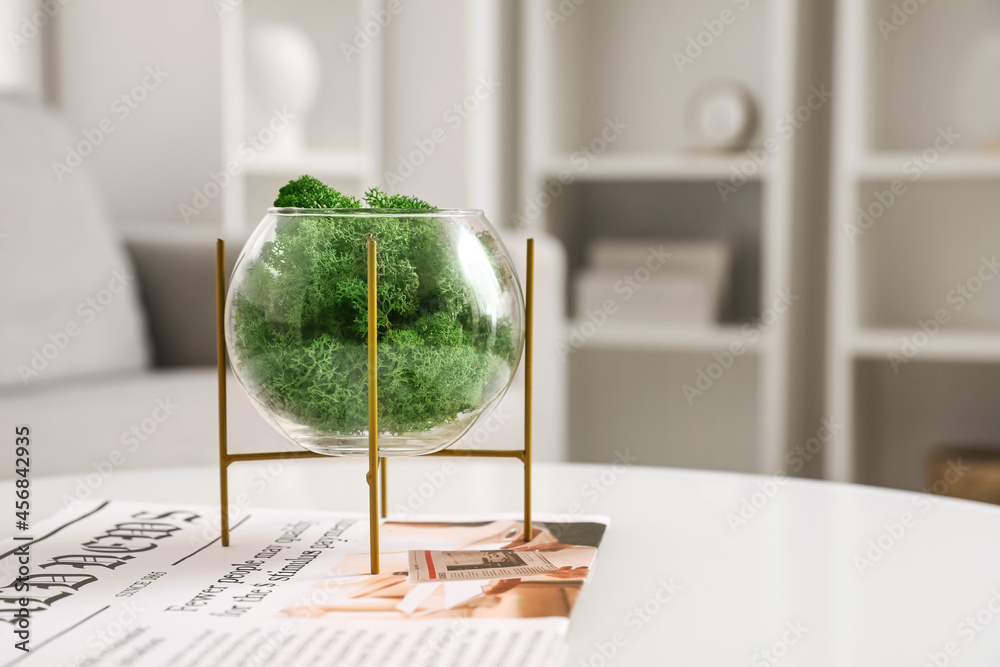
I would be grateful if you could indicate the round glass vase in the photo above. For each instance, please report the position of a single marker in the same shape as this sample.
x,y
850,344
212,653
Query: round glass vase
x,y
450,326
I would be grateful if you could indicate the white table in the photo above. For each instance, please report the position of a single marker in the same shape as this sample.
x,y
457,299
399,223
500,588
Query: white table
x,y
799,580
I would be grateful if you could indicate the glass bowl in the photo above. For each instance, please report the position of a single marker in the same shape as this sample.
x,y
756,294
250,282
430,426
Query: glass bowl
x,y
450,326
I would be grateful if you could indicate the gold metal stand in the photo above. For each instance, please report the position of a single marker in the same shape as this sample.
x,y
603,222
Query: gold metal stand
x,y
373,403
377,469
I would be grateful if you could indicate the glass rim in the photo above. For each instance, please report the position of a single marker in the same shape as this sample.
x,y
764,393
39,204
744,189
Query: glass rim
x,y
377,212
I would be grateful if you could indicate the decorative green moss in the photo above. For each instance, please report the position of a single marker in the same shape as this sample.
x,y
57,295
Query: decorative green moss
x,y
309,192
300,321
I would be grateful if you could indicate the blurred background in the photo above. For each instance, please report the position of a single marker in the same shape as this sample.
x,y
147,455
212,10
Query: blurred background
x,y
769,226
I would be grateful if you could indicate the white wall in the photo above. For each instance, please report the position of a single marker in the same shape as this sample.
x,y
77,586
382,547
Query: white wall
x,y
168,144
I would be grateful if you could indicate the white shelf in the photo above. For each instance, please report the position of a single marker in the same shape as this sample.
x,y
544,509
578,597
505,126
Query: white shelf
x,y
948,166
330,164
967,346
893,96
666,337
658,167
344,133
648,183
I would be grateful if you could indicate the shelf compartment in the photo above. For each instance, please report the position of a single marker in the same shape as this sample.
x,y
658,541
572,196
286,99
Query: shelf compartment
x,y
666,337
677,210
902,416
915,73
601,40
930,249
641,396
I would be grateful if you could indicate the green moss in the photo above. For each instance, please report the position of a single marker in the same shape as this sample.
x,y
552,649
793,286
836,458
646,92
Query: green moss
x,y
375,198
309,192
300,320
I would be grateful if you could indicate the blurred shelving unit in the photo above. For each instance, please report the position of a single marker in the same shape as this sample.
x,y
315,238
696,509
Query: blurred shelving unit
x,y
666,338
654,167
343,134
350,135
338,164
888,165
603,63
913,358
972,347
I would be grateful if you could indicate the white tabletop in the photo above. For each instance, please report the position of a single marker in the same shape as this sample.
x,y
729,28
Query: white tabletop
x,y
817,574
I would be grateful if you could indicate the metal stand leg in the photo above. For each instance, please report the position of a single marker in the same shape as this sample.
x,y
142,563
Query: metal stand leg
x,y
373,461
220,351
529,355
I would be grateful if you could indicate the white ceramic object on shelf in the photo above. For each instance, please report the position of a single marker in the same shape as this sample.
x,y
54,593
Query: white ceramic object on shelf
x,y
283,72
721,116
977,98
678,281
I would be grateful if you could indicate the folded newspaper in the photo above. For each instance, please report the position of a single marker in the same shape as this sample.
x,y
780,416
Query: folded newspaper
x,y
125,583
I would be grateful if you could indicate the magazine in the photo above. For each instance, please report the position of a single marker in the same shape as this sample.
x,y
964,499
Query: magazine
x,y
130,583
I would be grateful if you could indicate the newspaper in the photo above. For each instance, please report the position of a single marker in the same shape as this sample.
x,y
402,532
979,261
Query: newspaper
x,y
465,565
126,583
